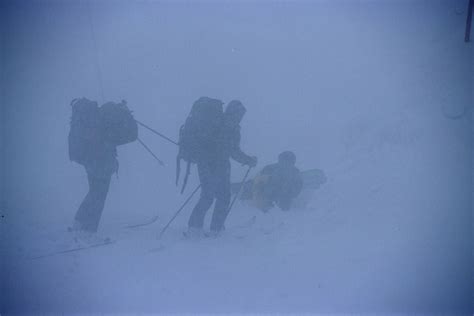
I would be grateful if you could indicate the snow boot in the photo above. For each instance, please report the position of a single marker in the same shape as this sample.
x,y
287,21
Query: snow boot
x,y
194,233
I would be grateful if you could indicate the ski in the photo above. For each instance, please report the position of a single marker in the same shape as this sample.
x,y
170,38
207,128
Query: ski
x,y
246,224
151,221
104,243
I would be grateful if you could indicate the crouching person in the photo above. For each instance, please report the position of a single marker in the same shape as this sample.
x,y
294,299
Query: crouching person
x,y
279,183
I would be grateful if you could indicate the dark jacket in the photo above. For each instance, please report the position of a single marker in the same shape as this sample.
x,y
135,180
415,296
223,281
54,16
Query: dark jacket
x,y
105,163
284,181
101,158
228,144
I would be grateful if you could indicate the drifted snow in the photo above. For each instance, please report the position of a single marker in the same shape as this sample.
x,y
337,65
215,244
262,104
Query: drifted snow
x,y
374,247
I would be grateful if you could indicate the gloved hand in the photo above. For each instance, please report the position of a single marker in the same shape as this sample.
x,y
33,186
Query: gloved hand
x,y
252,162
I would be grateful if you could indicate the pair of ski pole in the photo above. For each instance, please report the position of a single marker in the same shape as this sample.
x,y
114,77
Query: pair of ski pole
x,y
157,133
194,192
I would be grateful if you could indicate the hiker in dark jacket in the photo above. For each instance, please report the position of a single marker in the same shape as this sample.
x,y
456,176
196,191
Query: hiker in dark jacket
x,y
214,172
278,183
93,139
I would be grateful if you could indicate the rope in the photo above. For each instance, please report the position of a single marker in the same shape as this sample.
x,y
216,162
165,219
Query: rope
x,y
151,153
157,133
96,55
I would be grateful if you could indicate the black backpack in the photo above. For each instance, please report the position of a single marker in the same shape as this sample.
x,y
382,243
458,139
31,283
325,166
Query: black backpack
x,y
93,127
119,126
85,134
197,136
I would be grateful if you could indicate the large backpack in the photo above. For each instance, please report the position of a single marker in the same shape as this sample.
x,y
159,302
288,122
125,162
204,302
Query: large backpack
x,y
197,136
119,126
85,133
93,127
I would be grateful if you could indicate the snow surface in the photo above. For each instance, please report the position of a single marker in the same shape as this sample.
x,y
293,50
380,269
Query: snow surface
x,y
358,89
355,249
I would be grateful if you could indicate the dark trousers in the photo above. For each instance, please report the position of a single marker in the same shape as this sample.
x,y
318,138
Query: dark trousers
x,y
91,208
215,185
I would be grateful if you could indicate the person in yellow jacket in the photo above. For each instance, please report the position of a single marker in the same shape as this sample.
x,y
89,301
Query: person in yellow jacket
x,y
278,183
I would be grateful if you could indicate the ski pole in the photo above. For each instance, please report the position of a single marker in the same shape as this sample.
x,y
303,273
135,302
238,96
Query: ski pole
x,y
240,189
157,133
467,36
179,211
151,153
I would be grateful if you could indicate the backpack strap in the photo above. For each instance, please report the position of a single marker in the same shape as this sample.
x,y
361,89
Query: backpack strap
x,y
73,102
188,172
178,168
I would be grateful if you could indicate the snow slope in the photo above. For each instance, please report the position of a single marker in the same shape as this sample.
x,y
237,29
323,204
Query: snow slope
x,y
373,247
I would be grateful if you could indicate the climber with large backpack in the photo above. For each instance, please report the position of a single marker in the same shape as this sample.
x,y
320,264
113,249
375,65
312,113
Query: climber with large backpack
x,y
209,138
93,139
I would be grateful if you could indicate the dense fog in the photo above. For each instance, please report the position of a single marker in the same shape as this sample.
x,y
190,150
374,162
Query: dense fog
x,y
377,94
